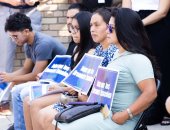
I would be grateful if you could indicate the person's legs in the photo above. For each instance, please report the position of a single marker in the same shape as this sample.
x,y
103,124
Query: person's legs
x,y
47,116
18,92
38,104
27,116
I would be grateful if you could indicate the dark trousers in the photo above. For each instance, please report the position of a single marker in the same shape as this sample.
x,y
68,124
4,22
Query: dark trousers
x,y
159,35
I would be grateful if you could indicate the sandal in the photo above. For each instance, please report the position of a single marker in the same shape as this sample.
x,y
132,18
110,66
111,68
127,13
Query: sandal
x,y
165,121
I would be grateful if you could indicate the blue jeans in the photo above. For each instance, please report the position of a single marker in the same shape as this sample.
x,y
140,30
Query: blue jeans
x,y
19,92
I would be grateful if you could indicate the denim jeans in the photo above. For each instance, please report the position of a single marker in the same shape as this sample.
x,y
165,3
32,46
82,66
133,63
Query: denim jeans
x,y
19,92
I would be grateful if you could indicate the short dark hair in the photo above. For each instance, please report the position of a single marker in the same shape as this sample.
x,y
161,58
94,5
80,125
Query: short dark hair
x,y
78,6
18,22
105,13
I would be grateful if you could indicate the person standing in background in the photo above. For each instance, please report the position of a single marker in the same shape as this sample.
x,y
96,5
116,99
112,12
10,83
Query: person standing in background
x,y
155,15
7,47
92,5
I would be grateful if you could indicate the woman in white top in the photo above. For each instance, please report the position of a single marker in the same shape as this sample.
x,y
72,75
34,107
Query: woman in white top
x,y
155,15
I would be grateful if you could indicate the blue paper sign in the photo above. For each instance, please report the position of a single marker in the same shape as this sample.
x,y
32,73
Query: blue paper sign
x,y
58,69
104,86
82,76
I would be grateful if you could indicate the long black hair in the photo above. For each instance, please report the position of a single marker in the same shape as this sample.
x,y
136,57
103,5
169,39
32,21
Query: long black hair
x,y
86,42
132,36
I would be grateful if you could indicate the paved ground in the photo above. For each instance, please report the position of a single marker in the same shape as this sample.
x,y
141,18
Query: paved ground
x,y
6,121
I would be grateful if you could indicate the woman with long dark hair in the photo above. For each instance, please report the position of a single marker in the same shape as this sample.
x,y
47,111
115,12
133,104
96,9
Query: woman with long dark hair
x,y
80,31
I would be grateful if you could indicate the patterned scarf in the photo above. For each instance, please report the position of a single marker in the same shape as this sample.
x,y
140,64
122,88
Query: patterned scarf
x,y
107,54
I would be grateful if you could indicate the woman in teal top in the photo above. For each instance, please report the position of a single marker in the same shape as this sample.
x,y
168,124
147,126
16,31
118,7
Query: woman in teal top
x,y
136,87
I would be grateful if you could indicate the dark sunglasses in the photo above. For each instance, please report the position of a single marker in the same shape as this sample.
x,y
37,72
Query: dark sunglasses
x,y
110,28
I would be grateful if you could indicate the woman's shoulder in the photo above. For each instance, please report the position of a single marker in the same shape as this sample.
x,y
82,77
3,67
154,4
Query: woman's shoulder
x,y
139,60
139,57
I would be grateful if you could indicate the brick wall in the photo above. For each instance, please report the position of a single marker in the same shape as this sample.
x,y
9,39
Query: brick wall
x,y
53,23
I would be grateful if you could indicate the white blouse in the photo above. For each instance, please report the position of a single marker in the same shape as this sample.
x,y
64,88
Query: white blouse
x,y
145,5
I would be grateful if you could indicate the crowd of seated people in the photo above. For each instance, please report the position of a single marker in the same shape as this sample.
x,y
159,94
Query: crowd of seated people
x,y
116,34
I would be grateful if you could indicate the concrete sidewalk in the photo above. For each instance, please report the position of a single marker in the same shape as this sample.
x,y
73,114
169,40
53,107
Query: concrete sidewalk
x,y
6,121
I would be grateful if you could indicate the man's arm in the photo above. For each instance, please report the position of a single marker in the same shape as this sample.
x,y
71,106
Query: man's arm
x,y
27,73
13,2
27,68
164,6
32,2
38,68
9,77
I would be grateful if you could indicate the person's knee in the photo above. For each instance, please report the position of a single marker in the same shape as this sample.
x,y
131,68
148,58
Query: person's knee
x,y
24,93
26,101
37,104
46,119
34,106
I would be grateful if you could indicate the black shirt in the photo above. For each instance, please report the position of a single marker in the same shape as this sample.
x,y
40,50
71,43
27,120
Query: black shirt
x,y
71,48
93,4
20,6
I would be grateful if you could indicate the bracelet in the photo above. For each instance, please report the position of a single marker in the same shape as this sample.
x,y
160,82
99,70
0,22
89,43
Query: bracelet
x,y
129,113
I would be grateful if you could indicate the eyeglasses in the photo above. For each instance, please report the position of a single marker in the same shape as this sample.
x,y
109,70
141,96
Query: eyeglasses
x,y
110,28
14,37
74,29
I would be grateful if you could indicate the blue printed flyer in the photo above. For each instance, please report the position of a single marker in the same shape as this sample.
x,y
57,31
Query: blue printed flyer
x,y
39,88
82,76
58,69
104,86
4,91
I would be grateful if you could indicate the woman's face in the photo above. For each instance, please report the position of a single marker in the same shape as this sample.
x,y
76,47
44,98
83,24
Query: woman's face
x,y
75,31
111,34
98,28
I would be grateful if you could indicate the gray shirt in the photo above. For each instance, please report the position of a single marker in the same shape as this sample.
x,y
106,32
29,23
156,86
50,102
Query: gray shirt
x,y
44,48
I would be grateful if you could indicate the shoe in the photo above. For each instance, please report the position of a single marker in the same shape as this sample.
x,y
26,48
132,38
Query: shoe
x,y
165,121
5,113
5,109
11,127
